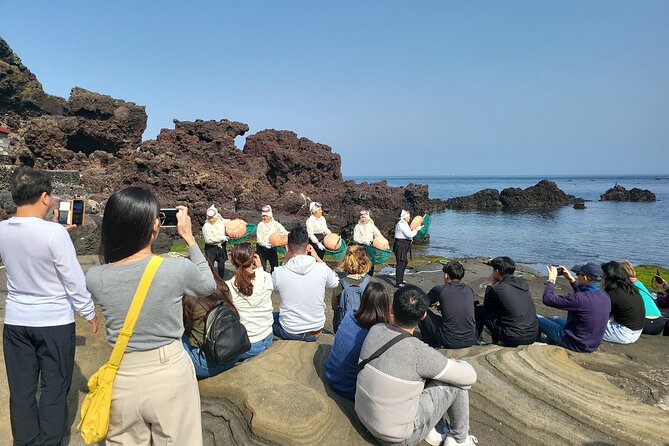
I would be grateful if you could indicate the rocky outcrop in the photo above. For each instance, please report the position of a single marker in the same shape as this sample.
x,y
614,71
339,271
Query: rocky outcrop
x,y
543,195
619,193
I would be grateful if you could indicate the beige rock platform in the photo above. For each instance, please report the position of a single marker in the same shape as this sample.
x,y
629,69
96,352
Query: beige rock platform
x,y
535,395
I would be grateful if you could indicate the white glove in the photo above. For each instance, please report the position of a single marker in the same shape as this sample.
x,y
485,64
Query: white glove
x,y
225,238
367,242
321,247
419,227
268,245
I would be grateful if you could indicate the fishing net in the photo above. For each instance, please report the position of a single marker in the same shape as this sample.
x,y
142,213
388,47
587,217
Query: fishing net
x,y
422,234
338,253
250,229
376,255
280,249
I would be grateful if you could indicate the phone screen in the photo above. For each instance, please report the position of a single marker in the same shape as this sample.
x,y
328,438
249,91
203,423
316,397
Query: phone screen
x,y
78,212
168,217
64,213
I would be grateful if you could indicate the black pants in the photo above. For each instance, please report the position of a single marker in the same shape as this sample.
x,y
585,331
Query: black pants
x,y
218,254
268,255
432,334
401,249
494,325
47,354
319,251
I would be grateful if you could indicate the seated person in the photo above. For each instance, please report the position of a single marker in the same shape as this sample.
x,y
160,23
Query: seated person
x,y
301,282
654,322
588,309
507,311
404,392
352,283
456,327
341,365
627,311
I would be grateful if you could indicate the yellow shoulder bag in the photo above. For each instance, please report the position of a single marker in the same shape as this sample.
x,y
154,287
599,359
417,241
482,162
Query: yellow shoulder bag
x,y
97,404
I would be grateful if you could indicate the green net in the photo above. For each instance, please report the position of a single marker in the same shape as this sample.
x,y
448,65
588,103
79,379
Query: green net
x,y
338,253
250,229
280,249
420,235
377,256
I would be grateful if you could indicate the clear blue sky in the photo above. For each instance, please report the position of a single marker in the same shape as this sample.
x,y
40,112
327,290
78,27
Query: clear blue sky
x,y
396,88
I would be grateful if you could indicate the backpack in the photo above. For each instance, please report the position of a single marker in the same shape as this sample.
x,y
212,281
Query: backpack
x,y
349,299
225,337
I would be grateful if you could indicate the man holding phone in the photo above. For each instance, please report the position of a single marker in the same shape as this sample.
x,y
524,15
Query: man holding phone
x,y
45,283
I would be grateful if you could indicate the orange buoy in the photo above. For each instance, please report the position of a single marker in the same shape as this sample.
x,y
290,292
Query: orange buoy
x,y
235,228
332,241
278,239
381,243
417,220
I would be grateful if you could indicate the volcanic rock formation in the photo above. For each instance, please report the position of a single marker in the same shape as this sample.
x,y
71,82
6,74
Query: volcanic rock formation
x,y
619,193
543,195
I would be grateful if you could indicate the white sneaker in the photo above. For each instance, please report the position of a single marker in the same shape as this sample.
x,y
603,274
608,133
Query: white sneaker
x,y
470,441
435,438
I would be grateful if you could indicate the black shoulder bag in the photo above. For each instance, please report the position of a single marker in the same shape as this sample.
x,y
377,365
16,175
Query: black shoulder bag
x,y
382,350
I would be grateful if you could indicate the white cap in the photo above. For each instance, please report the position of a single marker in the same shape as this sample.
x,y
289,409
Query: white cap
x,y
267,210
364,213
404,214
212,211
314,206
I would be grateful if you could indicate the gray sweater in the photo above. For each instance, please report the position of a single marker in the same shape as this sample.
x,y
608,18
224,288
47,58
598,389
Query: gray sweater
x,y
161,319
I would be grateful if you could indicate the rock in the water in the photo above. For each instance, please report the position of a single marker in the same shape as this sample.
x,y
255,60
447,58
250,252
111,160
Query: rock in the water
x,y
543,195
619,193
484,199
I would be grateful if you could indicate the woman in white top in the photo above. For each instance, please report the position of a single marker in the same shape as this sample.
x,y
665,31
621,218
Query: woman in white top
x,y
267,227
403,237
251,292
365,232
213,231
317,228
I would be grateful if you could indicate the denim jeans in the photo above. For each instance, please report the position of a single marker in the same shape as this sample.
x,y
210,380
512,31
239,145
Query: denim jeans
x,y
283,334
204,370
553,328
619,334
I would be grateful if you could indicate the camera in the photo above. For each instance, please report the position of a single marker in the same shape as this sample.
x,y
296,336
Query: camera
x,y
168,217
560,270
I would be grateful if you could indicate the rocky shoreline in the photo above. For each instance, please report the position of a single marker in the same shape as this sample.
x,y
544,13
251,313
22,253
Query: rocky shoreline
x,y
533,395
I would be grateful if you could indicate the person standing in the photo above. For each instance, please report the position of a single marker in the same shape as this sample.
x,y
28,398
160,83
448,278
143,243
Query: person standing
x,y
365,232
266,228
402,244
215,247
317,228
45,283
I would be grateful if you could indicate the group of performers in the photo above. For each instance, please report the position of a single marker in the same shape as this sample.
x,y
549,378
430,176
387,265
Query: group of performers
x,y
364,233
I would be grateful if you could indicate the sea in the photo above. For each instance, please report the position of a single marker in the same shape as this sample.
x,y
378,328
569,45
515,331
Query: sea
x,y
605,230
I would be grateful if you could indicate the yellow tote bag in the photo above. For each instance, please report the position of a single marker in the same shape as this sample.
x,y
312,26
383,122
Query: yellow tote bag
x,y
97,404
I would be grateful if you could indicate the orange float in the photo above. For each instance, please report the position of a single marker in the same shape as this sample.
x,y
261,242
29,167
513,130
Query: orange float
x,y
278,239
417,220
381,243
235,228
332,241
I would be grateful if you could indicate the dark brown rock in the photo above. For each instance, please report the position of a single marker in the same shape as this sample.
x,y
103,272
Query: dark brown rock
x,y
619,193
543,195
484,199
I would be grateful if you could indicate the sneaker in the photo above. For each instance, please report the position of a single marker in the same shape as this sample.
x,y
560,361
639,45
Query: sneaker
x,y
470,441
435,438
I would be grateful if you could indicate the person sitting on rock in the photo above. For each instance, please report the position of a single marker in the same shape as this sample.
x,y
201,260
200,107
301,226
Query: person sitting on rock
x,y
301,282
627,311
402,244
267,227
507,311
352,282
588,309
654,321
456,327
405,387
317,228
341,365
365,232
213,231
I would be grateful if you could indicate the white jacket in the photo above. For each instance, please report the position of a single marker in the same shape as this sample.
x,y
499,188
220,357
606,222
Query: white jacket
x,y
264,230
316,226
365,233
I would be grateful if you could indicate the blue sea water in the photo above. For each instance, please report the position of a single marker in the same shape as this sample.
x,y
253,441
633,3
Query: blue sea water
x,y
604,231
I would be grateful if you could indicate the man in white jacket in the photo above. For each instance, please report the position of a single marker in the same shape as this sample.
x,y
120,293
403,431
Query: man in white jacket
x,y
301,282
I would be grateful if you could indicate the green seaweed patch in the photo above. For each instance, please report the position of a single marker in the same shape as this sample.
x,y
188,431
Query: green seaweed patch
x,y
180,245
423,260
645,274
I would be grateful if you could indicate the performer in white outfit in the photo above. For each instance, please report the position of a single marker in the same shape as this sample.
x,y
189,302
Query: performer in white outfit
x,y
213,231
267,227
365,232
317,228
403,238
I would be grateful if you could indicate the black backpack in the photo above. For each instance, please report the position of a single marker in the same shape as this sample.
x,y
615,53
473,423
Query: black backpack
x,y
225,336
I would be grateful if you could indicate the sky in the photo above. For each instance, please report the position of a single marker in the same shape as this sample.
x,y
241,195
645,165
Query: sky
x,y
396,88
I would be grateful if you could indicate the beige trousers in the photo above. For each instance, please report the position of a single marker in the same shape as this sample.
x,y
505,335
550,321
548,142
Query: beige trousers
x,y
155,400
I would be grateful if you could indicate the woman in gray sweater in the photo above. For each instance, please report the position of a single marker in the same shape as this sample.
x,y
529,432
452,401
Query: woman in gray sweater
x,y
155,396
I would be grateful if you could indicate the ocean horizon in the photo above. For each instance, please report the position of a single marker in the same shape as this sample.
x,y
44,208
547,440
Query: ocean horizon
x,y
605,230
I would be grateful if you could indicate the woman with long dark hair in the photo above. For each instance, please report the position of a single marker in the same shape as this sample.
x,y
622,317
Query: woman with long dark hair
x,y
167,410
627,311
341,365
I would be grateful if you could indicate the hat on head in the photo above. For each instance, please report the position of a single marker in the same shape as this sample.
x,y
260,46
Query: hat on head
x,y
364,213
404,214
591,270
211,211
267,210
314,206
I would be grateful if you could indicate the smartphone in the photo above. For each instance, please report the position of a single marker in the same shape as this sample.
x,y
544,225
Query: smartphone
x,y
64,213
77,211
168,217
560,270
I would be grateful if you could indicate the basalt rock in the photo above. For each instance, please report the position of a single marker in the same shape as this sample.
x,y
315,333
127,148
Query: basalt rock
x,y
619,193
484,199
543,195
